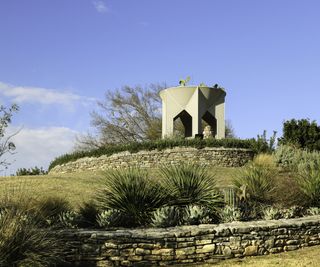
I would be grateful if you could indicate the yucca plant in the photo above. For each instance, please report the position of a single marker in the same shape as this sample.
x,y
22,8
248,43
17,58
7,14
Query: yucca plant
x,y
188,185
132,193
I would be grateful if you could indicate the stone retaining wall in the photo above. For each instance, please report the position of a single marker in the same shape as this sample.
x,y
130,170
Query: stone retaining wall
x,y
222,157
190,244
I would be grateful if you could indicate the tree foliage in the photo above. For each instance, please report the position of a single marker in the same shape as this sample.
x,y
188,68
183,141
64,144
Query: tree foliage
x,y
301,133
6,146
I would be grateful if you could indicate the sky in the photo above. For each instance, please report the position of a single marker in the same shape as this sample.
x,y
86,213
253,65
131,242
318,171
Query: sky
x,y
58,58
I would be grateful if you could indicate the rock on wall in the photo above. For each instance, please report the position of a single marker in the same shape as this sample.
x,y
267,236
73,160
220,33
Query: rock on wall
x,y
190,244
222,157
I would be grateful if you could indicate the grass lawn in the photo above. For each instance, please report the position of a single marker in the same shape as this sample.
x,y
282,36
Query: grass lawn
x,y
308,257
77,187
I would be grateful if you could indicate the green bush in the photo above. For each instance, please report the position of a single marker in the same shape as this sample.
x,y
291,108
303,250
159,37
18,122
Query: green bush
x,y
131,193
160,144
264,145
301,133
31,171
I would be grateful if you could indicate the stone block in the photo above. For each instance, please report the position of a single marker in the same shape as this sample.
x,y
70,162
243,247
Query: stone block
x,y
250,251
206,249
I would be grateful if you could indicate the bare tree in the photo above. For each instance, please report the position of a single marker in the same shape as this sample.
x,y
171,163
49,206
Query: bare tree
x,y
129,114
6,146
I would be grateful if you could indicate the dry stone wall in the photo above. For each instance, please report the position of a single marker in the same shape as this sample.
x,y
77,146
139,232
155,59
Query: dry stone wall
x,y
190,244
222,157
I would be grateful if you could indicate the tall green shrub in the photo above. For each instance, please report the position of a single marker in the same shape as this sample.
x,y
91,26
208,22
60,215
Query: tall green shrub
x,y
301,133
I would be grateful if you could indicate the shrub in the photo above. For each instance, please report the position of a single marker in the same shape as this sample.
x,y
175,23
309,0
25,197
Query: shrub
x,y
69,219
49,209
262,144
301,133
313,211
131,193
230,214
290,157
160,144
88,213
31,171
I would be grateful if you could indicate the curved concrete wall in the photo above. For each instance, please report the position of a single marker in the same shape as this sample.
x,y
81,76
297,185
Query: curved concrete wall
x,y
222,157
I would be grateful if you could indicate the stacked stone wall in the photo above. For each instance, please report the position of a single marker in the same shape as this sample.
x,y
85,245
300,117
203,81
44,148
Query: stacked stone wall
x,y
190,244
222,157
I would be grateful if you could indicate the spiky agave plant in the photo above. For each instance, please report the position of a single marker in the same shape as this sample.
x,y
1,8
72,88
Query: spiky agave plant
x,y
132,193
190,185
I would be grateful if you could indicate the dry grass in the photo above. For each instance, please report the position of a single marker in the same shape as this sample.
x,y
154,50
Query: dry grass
x,y
306,257
78,187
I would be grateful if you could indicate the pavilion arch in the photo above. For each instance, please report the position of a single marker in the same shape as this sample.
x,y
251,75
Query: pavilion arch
x,y
211,121
186,120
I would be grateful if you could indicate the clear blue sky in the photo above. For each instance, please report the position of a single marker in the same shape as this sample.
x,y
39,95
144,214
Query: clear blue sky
x,y
57,57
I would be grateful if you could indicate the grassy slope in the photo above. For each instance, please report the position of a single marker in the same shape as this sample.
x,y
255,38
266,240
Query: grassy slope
x,y
303,257
82,186
78,187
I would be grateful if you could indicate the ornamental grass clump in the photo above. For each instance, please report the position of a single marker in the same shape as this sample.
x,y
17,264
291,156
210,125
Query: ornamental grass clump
x,y
188,185
132,195
254,188
24,241
308,180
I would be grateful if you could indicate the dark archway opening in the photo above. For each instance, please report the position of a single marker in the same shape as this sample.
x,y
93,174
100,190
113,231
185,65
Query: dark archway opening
x,y
182,124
